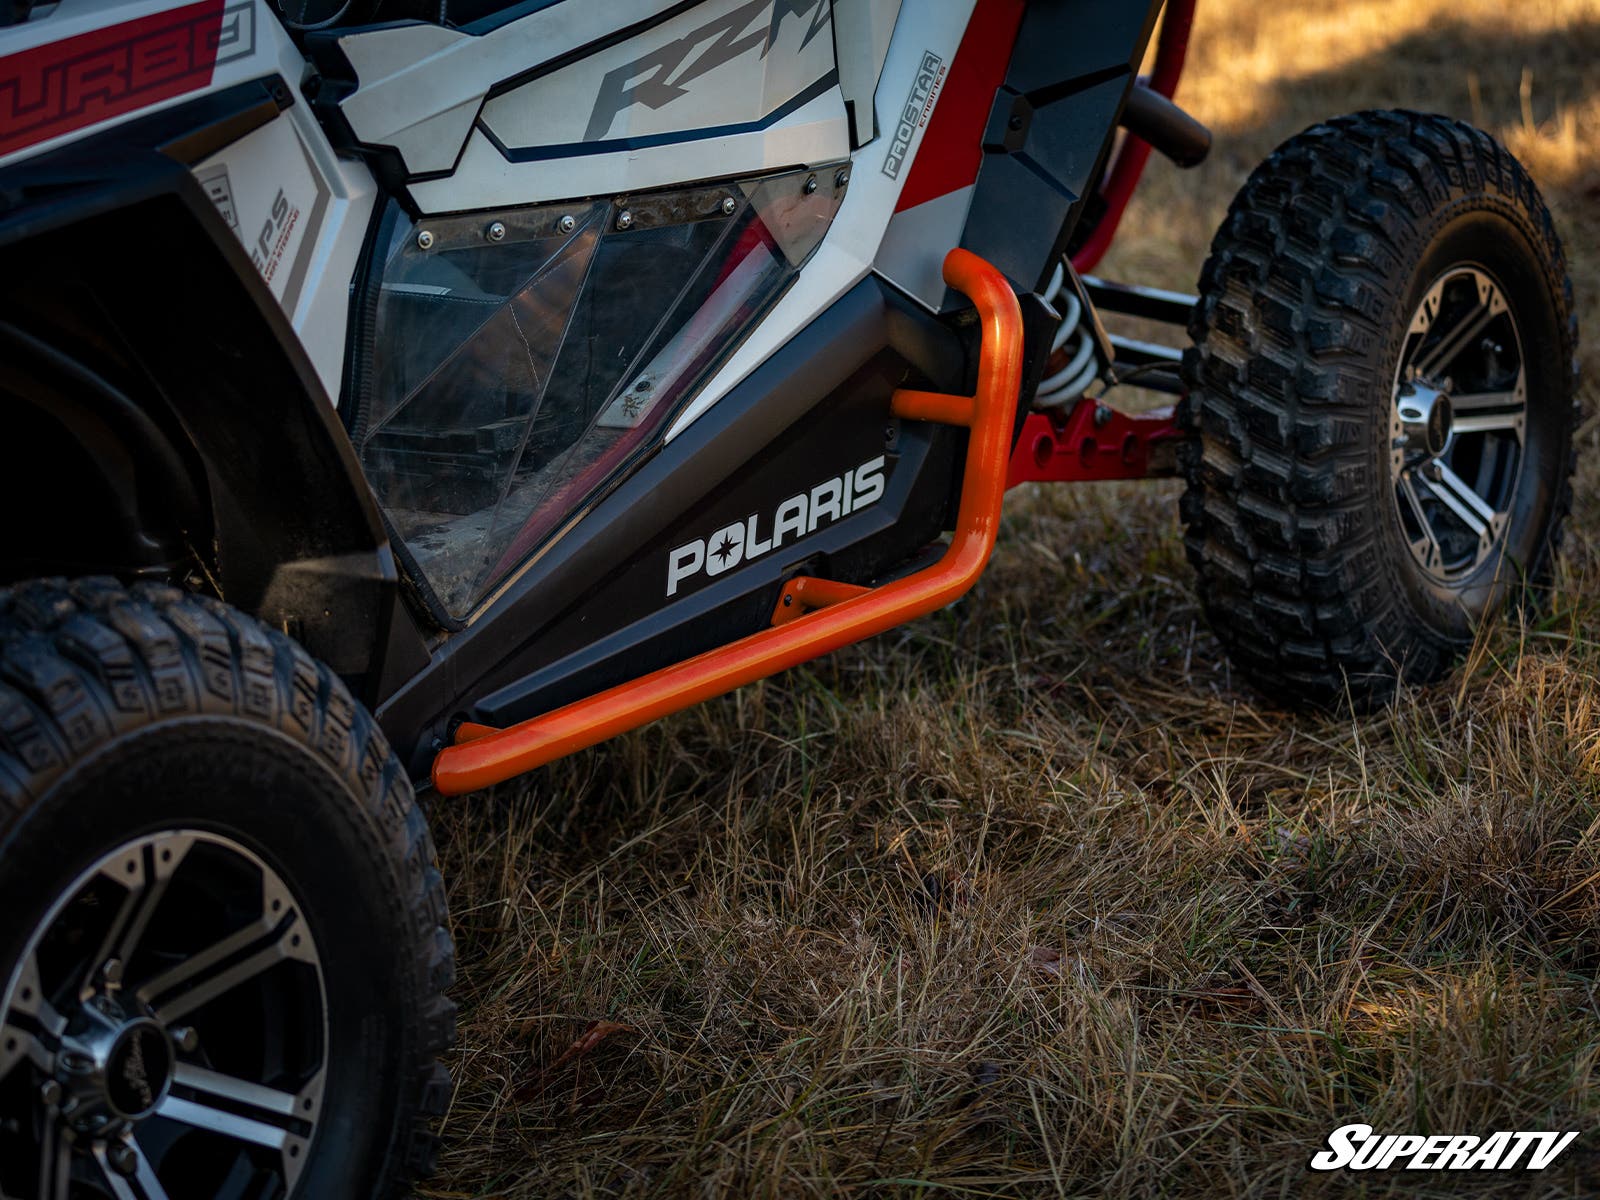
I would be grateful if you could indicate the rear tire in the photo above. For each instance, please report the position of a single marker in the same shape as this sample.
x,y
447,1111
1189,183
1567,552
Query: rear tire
x,y
220,902
1327,512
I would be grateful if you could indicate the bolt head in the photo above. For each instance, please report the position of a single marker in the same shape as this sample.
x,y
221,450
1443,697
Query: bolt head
x,y
496,232
624,219
810,185
842,178
111,972
567,223
50,1092
122,1158
729,204
425,239
186,1038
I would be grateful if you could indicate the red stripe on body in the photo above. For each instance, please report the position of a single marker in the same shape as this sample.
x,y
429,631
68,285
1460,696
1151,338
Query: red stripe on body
x,y
64,86
952,147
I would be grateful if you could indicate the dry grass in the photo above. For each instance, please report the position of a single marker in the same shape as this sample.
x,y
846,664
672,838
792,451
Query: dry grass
x,y
1028,898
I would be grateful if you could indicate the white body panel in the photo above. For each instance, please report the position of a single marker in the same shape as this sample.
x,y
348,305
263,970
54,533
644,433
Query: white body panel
x,y
421,85
484,179
678,78
308,250
862,29
851,247
724,88
301,215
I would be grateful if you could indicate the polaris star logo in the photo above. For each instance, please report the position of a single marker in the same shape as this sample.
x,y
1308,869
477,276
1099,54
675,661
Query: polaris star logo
x,y
1358,1148
918,107
743,541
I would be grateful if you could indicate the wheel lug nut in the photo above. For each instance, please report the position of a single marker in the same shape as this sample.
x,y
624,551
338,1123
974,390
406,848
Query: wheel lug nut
x,y
186,1038
122,1158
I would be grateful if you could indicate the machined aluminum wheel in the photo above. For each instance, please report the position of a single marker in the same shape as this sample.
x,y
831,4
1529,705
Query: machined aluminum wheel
x,y
1457,423
223,963
165,1032
1381,407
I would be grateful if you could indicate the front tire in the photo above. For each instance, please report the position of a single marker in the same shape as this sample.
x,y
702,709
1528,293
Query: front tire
x,y
1381,405
223,959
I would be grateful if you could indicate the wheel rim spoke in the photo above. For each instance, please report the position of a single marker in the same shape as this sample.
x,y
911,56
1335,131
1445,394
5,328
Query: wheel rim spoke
x,y
1452,491
1460,411
259,1115
118,1101
1490,411
1487,423
55,1159
1426,546
141,1184
28,1009
275,936
1471,323
146,874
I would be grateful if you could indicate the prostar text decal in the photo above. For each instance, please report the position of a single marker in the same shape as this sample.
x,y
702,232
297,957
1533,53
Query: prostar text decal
x,y
799,515
914,115
1358,1148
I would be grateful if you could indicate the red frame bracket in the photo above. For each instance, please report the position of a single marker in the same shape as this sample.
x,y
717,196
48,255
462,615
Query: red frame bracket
x,y
1095,442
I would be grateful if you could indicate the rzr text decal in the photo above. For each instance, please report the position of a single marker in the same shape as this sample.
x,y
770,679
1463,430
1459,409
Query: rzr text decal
x,y
661,76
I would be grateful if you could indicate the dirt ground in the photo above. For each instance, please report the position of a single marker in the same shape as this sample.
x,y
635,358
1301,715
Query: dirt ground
x,y
1031,897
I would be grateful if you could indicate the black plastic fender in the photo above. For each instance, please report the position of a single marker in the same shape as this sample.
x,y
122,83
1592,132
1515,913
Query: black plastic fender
x,y
112,257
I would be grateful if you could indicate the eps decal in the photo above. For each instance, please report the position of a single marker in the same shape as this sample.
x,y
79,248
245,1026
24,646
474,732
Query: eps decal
x,y
267,251
799,515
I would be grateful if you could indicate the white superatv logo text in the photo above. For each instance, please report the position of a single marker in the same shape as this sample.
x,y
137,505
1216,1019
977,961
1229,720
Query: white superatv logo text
x,y
1357,1148
797,516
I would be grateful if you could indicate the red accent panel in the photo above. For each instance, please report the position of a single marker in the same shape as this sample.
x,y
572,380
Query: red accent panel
x,y
1094,442
62,86
951,148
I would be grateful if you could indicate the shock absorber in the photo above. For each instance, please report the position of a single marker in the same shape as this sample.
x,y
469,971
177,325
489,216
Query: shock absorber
x,y
1072,348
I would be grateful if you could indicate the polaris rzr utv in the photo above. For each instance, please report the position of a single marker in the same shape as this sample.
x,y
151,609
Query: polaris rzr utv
x,y
403,393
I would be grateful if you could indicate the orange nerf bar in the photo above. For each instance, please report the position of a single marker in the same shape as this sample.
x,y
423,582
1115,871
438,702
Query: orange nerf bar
x,y
838,613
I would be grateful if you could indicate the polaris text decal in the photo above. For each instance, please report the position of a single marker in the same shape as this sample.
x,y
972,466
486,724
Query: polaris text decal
x,y
919,104
1358,1148
743,541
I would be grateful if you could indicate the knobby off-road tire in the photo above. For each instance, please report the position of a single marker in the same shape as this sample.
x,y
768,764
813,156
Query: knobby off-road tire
x,y
1325,515
223,951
